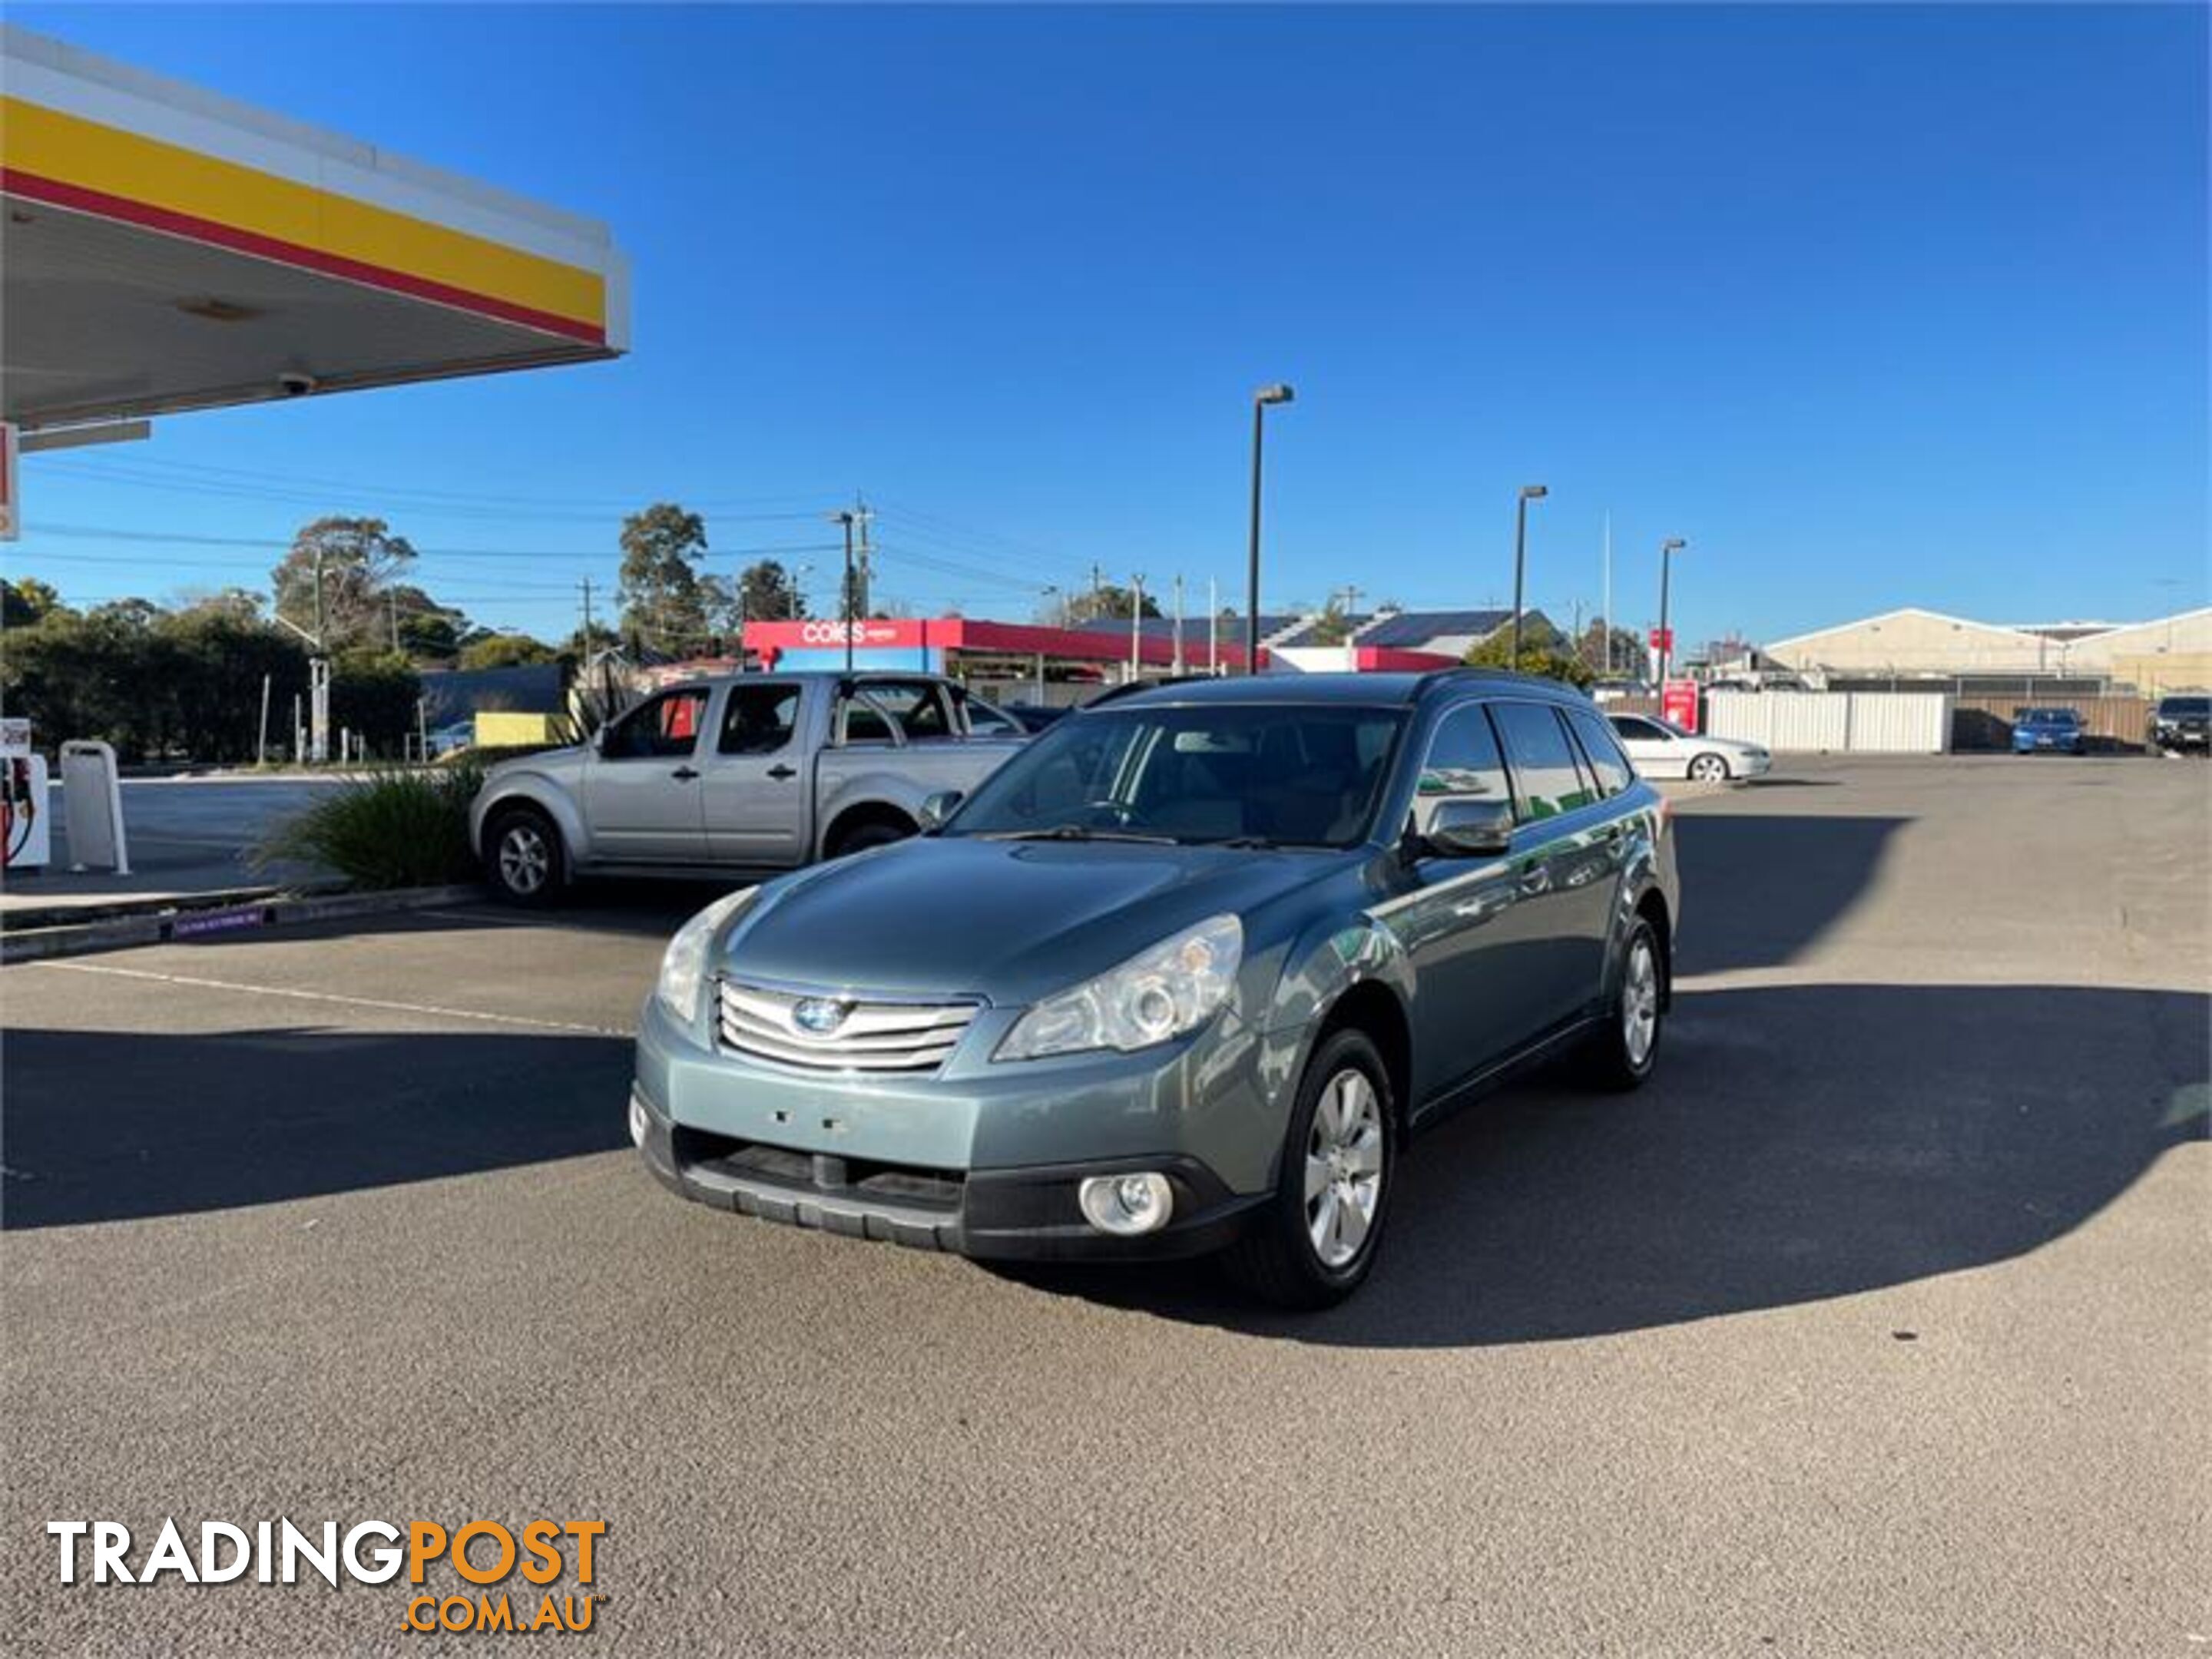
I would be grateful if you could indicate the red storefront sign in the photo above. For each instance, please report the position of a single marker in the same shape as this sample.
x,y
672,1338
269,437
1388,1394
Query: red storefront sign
x,y
1678,704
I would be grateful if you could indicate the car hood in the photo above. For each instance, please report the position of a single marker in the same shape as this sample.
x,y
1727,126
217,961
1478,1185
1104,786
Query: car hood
x,y
1006,920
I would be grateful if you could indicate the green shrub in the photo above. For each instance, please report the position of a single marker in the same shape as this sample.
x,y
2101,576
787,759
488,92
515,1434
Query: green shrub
x,y
385,829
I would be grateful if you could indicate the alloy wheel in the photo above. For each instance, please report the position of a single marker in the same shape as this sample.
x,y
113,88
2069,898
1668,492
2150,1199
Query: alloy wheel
x,y
523,858
1639,1002
1344,1167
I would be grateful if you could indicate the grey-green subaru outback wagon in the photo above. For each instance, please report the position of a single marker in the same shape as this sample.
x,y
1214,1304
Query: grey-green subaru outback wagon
x,y
1186,974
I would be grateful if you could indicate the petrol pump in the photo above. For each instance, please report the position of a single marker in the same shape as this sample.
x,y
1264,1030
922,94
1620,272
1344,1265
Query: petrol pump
x,y
25,836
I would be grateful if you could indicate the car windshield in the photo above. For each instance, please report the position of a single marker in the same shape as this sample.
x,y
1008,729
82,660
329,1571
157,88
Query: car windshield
x,y
2049,717
1244,773
2173,707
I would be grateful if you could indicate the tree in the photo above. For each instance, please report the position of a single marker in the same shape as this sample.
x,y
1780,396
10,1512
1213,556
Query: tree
x,y
766,593
664,600
25,600
1627,655
359,559
507,650
222,657
1091,604
1332,626
428,631
374,696
1544,650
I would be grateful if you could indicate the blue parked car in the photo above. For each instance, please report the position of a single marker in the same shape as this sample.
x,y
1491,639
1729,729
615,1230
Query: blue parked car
x,y
2046,731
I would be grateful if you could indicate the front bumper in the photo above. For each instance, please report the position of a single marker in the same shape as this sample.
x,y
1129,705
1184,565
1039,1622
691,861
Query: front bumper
x,y
2181,737
1028,1213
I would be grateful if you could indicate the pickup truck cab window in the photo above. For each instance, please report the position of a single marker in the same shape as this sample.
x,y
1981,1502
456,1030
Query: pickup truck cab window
x,y
1463,764
665,727
759,719
896,711
1547,779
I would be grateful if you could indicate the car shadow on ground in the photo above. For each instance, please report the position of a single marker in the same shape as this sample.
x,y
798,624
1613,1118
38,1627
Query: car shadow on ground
x,y
103,1128
1799,1143
1760,890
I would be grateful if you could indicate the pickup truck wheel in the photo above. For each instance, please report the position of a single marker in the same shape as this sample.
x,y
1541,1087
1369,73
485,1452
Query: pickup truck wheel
x,y
522,850
1625,1047
875,832
1314,1242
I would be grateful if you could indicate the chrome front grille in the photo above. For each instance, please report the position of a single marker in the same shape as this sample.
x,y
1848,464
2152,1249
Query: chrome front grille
x,y
866,1035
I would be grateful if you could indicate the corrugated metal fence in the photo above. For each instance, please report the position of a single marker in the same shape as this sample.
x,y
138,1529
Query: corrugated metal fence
x,y
2111,722
1845,722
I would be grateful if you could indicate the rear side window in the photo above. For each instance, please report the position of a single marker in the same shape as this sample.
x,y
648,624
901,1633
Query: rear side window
x,y
1638,730
1610,766
664,729
759,719
1547,779
1463,764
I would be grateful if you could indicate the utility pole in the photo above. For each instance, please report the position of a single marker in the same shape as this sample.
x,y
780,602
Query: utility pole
x,y
1605,618
1668,548
1262,399
846,595
391,604
1350,594
865,517
1178,625
1097,589
1136,623
318,679
1528,493
1212,626
261,743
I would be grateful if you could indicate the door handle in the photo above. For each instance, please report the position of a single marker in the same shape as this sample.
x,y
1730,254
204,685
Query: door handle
x,y
684,775
780,772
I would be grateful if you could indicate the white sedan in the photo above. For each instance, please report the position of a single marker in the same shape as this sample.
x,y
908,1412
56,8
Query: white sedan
x,y
1663,749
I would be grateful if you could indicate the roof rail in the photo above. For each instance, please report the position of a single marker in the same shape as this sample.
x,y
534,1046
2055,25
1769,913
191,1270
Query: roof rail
x,y
1477,672
1130,687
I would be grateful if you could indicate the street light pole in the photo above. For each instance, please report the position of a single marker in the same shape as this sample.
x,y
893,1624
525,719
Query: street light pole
x,y
1278,393
1666,551
1528,493
845,594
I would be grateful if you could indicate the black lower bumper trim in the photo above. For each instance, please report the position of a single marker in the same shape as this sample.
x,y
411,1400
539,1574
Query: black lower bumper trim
x,y
1027,1214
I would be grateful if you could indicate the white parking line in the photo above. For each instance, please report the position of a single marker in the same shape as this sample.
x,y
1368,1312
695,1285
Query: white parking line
x,y
378,1003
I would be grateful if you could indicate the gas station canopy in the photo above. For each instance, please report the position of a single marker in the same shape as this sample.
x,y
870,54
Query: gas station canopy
x,y
166,249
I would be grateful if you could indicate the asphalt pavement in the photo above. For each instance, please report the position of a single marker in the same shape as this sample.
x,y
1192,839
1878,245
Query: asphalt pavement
x,y
183,836
1880,1323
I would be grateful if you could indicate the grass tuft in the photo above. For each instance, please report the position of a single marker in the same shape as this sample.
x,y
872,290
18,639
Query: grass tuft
x,y
385,829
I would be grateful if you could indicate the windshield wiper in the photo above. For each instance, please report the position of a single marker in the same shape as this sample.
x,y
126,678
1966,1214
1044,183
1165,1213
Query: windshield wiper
x,y
1267,844
1075,832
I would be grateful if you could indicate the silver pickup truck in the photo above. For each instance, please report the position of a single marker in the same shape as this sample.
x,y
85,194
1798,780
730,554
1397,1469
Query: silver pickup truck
x,y
747,775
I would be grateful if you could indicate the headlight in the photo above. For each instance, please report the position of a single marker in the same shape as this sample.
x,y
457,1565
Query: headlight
x,y
684,965
1173,987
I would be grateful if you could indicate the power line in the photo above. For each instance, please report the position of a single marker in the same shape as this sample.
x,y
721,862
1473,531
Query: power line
x,y
157,472
96,532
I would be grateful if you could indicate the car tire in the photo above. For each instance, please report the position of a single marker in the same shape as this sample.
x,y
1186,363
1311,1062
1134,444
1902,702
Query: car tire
x,y
873,832
1625,1049
524,857
1709,768
1343,1135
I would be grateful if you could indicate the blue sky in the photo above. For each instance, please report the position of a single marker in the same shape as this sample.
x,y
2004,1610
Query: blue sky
x,y
1877,306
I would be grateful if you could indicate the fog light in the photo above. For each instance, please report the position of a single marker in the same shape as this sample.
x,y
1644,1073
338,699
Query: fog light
x,y
1127,1205
636,1121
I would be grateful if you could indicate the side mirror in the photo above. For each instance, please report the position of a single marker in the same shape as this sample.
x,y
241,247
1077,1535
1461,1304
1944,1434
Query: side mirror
x,y
935,809
1471,829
